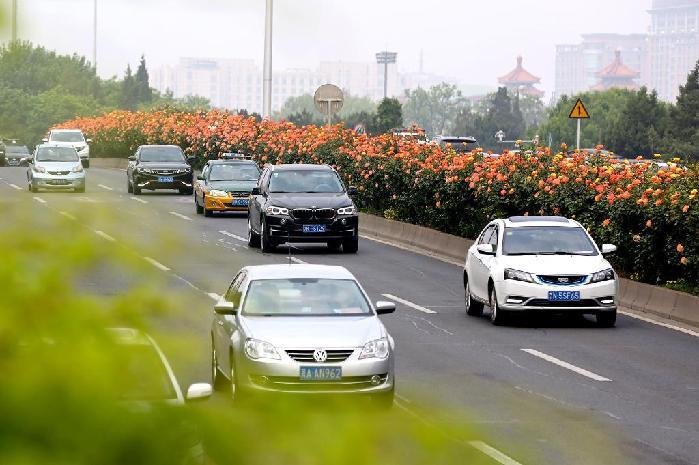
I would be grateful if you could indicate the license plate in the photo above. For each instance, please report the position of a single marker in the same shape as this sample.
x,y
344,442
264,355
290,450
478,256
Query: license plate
x,y
314,228
564,296
320,374
12,162
240,202
59,182
166,179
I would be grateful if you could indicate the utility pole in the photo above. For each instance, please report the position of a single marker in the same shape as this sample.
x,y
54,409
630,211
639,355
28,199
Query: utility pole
x,y
267,71
14,20
94,37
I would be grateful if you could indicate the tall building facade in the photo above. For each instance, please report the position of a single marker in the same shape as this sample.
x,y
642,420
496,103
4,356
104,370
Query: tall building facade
x,y
673,44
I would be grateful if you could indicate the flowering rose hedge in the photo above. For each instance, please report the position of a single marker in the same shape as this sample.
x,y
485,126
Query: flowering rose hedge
x,y
652,214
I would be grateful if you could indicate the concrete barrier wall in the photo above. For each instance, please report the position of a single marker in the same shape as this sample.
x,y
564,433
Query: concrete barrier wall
x,y
658,301
119,163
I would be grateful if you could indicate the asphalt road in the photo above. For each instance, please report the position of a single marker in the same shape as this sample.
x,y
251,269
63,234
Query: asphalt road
x,y
543,391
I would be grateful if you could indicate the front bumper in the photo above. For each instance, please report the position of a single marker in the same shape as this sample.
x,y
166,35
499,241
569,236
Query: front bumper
x,y
51,181
153,181
225,204
287,229
522,296
13,161
370,376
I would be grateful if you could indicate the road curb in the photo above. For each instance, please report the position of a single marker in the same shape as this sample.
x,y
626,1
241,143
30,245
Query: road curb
x,y
640,297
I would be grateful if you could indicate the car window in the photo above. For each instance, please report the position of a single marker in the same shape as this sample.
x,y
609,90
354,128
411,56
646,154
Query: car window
x,y
493,239
485,236
547,240
73,136
21,149
56,154
161,154
305,181
305,297
205,171
234,172
234,292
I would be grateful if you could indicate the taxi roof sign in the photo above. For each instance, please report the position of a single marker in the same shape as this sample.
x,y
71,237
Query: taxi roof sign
x,y
579,111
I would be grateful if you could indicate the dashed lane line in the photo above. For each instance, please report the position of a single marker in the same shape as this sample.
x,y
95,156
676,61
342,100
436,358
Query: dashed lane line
x,y
105,187
234,236
15,186
156,264
104,235
138,200
39,199
408,303
180,215
298,261
215,297
67,215
569,366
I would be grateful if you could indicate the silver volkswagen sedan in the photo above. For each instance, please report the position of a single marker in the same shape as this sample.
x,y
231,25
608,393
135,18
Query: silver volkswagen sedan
x,y
301,329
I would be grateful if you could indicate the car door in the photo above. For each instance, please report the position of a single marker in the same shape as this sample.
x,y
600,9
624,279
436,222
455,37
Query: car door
x,y
200,185
480,265
225,325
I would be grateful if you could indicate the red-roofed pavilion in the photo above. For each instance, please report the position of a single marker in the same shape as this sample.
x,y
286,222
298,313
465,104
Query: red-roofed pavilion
x,y
617,76
521,80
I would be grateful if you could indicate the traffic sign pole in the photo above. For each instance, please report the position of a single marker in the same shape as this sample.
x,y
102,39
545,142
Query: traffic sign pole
x,y
577,145
579,112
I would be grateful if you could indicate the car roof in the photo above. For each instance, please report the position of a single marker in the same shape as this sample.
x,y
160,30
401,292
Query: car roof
x,y
54,145
300,166
555,221
159,145
297,271
231,162
66,130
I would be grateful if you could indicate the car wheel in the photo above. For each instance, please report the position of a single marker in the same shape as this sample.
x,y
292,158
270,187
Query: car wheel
x,y
199,209
33,188
473,308
207,212
350,245
606,319
334,245
129,187
80,189
266,243
136,189
253,239
218,381
497,316
186,191
235,392
86,163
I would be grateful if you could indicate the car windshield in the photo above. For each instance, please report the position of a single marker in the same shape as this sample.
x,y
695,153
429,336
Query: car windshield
x,y
162,154
21,149
57,154
143,376
73,136
459,146
547,240
306,181
305,297
234,172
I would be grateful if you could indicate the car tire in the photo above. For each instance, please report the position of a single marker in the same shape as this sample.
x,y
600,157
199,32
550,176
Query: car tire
x,y
80,190
236,394
86,163
334,245
473,308
497,316
606,319
198,208
136,189
129,187
266,243
253,238
218,381
350,245
188,191
32,187
208,213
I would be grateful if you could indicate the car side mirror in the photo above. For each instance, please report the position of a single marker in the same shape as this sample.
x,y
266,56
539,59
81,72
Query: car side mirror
x,y
486,249
132,158
200,178
199,391
352,191
89,141
45,140
224,307
608,248
256,191
382,307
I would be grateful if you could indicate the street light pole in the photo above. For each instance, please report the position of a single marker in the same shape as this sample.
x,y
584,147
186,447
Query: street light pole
x,y
94,37
14,20
267,71
385,58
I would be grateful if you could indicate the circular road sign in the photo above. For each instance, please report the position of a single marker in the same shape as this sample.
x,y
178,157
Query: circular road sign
x,y
328,99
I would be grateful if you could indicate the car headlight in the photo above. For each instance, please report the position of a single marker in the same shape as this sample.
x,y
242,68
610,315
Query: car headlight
x,y
80,148
39,169
604,275
144,170
260,349
77,169
272,210
516,275
217,193
375,349
347,210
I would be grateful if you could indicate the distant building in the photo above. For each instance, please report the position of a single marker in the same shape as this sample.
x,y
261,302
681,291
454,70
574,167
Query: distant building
x,y
674,44
522,81
617,76
577,66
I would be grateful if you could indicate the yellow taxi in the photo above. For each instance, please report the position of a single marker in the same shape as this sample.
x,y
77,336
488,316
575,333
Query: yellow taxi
x,y
225,185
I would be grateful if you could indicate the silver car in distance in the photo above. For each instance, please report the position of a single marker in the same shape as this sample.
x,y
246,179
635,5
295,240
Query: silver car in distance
x,y
301,329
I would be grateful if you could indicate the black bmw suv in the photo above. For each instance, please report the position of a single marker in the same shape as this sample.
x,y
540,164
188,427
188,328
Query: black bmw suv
x,y
159,167
302,203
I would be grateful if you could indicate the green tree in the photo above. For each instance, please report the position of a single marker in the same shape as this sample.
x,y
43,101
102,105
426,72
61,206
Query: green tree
x,y
435,109
129,91
683,127
389,115
352,105
143,92
304,118
638,129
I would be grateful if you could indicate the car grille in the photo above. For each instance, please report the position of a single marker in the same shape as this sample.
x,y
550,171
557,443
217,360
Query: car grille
x,y
313,213
562,280
239,194
302,213
291,383
334,355
59,173
563,304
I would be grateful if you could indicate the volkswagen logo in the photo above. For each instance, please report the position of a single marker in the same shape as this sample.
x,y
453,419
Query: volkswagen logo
x,y
320,355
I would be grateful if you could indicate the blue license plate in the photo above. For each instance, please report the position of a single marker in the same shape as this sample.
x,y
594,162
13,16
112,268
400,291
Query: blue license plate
x,y
12,162
314,228
564,296
166,179
240,202
320,374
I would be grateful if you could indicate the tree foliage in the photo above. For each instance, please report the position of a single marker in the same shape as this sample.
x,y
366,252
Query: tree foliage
x,y
389,115
642,121
434,109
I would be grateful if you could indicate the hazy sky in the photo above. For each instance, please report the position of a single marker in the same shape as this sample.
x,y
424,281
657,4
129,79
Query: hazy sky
x,y
474,41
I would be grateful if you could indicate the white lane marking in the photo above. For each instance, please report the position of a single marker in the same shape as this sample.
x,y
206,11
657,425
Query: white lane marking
x,y
139,200
180,215
156,264
39,199
234,236
569,366
660,323
105,187
407,303
493,453
214,296
15,186
298,261
104,235
67,215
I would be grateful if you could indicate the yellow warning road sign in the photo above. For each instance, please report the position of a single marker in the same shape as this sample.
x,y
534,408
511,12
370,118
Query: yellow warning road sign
x,y
579,111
